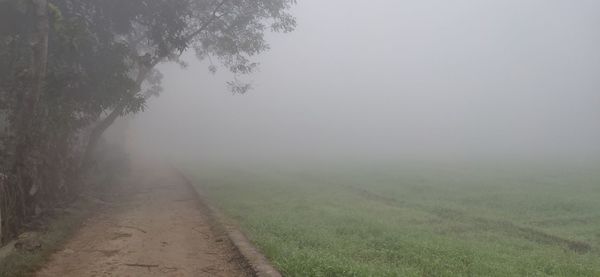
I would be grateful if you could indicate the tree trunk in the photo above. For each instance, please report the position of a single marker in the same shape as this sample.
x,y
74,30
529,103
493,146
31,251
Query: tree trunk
x,y
96,134
101,127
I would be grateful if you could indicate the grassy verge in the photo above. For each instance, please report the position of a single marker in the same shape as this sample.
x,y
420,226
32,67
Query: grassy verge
x,y
111,169
56,231
407,220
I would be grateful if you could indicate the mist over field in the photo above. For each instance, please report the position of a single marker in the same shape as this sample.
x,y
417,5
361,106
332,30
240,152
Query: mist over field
x,y
452,80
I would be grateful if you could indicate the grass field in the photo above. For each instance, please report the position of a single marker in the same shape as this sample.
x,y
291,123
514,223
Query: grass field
x,y
416,219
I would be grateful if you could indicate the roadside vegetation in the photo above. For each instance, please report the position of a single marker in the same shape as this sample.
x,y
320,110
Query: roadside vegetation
x,y
416,220
47,233
56,230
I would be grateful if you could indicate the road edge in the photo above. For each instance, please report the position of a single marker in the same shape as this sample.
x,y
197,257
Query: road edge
x,y
259,264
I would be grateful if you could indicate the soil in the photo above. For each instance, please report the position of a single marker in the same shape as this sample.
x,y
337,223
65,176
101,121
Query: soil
x,y
158,228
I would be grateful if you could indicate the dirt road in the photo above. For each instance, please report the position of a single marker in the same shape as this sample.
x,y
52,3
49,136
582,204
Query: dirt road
x,y
159,229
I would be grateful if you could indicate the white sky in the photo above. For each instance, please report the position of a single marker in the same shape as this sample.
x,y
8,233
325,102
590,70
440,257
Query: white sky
x,y
388,78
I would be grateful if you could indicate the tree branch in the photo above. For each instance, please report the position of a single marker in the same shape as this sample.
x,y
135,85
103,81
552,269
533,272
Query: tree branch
x,y
212,18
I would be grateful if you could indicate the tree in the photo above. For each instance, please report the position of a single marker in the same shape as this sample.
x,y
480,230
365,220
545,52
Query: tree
x,y
70,68
231,31
32,89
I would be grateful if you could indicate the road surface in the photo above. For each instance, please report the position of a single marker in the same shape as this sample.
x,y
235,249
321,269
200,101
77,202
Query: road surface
x,y
158,228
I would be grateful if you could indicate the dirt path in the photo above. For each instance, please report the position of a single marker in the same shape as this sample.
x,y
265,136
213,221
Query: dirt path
x,y
160,229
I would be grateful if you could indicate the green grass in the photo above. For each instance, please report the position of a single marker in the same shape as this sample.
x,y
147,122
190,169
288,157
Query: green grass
x,y
416,220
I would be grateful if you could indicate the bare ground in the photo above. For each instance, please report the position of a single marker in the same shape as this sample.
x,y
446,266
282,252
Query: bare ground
x,y
158,228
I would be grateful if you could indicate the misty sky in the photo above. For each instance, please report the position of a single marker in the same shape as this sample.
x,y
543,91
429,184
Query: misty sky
x,y
389,78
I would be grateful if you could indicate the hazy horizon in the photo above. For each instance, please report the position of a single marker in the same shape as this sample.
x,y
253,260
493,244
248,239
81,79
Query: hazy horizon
x,y
396,79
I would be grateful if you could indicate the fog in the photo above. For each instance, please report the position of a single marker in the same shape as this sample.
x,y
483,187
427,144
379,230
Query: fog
x,y
391,79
